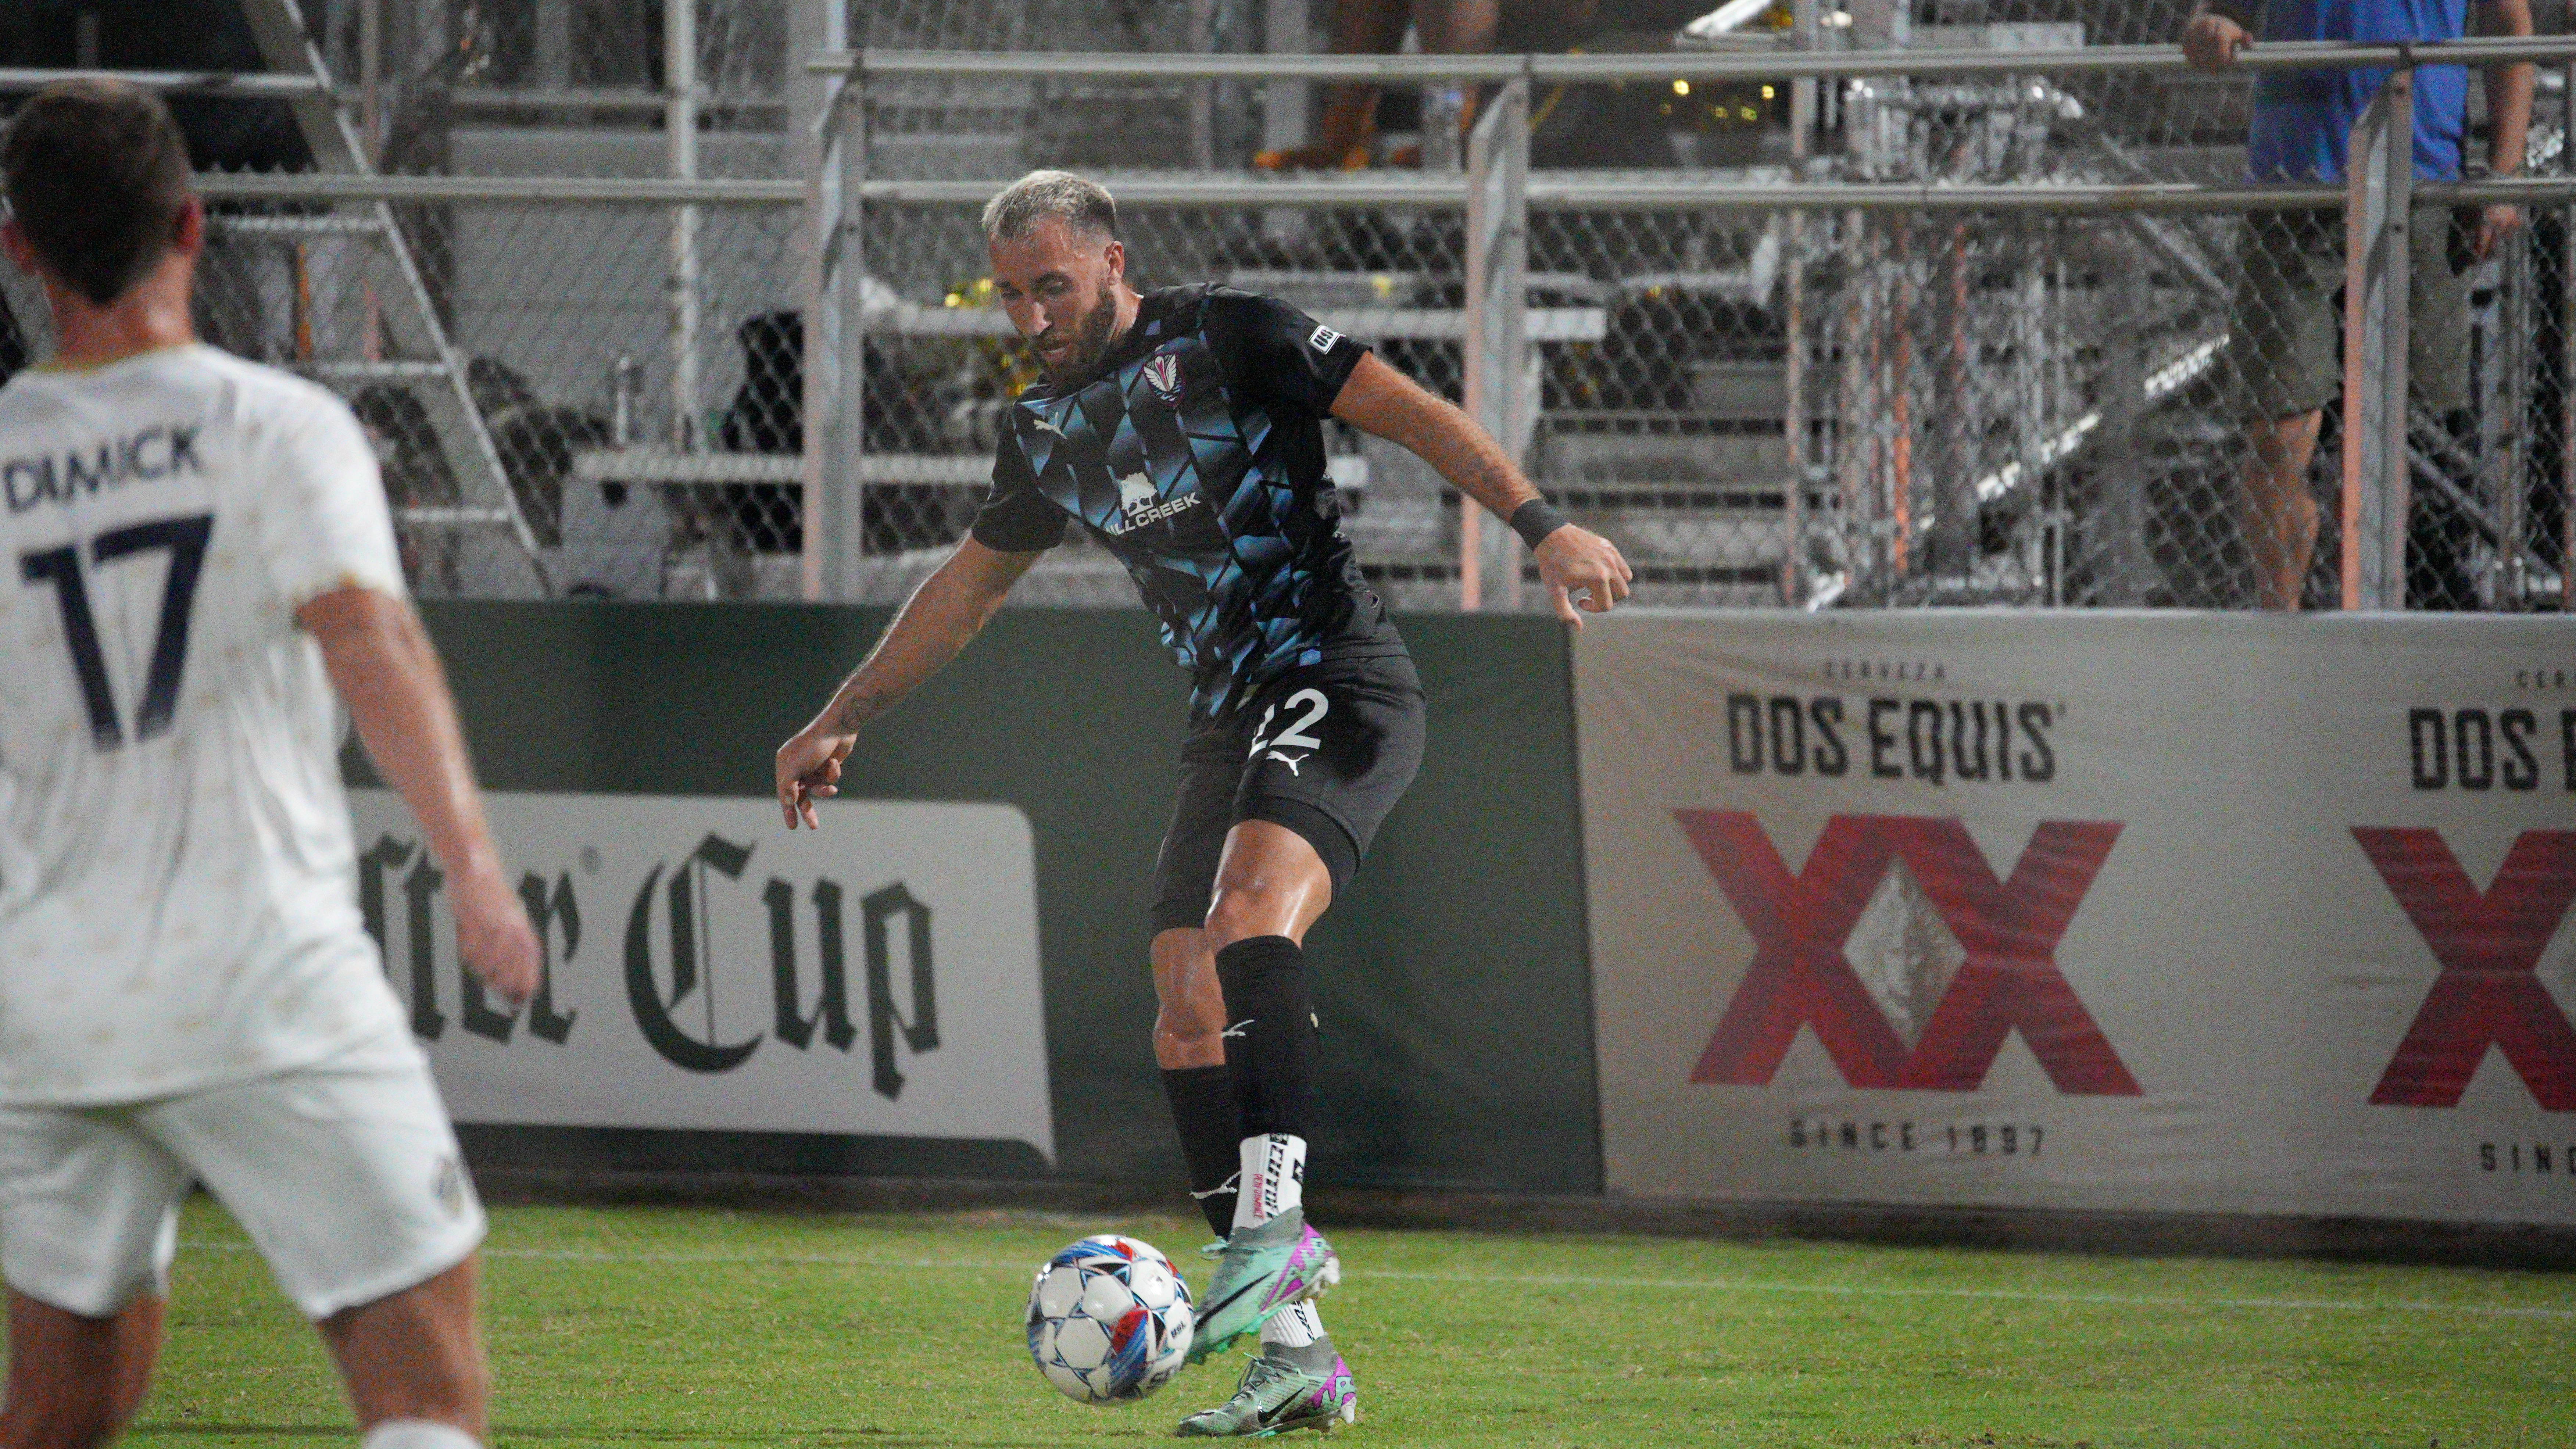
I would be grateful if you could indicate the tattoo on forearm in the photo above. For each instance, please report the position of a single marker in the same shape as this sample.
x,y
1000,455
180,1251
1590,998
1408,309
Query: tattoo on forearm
x,y
857,708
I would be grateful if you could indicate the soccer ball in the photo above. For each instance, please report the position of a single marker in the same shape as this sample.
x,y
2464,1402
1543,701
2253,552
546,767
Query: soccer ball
x,y
1109,1320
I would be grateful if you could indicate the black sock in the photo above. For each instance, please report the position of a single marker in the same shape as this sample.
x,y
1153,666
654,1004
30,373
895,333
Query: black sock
x,y
1270,1035
1202,1101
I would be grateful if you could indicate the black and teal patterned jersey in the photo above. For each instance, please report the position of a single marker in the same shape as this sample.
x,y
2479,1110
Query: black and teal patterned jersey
x,y
1196,455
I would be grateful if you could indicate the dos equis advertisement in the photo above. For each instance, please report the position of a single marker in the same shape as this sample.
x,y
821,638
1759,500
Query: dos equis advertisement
x,y
2172,912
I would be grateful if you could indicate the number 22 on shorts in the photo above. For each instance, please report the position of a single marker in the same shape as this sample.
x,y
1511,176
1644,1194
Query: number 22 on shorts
x,y
1295,735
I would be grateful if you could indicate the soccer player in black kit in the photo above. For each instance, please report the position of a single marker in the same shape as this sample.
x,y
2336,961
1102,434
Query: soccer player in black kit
x,y
1183,429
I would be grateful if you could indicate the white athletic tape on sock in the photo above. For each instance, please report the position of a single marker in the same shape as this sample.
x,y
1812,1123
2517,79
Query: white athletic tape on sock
x,y
1296,1326
1273,1177
418,1434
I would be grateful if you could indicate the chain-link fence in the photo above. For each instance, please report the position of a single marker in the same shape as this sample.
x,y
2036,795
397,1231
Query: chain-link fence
x,y
1841,407
2099,369
513,363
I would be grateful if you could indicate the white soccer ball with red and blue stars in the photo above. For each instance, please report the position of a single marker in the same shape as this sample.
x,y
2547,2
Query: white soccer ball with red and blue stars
x,y
1109,1320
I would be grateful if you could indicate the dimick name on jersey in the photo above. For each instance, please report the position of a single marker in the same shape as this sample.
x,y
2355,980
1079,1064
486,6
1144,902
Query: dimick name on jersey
x,y
159,451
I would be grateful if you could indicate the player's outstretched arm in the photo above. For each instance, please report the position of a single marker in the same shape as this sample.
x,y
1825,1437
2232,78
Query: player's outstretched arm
x,y
1571,560
940,619
381,661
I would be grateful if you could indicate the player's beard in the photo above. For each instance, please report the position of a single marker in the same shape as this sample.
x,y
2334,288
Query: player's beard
x,y
1091,339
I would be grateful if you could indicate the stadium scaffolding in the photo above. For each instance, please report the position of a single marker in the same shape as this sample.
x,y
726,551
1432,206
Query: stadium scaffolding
x,y
1841,507
2378,466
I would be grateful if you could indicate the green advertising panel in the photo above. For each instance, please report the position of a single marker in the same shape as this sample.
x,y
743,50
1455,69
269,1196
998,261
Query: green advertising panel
x,y
1452,982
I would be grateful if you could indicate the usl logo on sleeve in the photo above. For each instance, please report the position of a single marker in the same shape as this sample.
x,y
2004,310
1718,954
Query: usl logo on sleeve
x,y
1324,338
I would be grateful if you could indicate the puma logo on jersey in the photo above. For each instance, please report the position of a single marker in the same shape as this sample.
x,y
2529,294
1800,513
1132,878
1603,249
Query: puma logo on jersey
x,y
154,452
1139,504
1292,761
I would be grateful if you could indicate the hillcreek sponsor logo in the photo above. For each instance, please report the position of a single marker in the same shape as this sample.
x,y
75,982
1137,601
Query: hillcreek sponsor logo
x,y
670,960
2490,749
1890,737
2489,945
1139,504
159,451
2006,932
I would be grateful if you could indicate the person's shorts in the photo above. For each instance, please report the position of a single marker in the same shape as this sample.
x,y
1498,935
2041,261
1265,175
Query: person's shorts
x,y
348,1182
1325,751
2285,331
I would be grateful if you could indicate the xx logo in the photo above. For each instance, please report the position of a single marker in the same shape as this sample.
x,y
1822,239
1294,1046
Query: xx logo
x,y
2489,944
2009,930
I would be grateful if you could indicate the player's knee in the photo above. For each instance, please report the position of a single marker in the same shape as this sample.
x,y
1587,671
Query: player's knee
x,y
1245,909
1185,1033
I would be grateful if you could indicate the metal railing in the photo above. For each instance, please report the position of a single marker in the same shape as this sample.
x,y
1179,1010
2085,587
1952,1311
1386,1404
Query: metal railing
x,y
1835,497
2377,461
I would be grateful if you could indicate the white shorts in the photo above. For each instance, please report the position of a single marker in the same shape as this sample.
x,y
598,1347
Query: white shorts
x,y
348,1181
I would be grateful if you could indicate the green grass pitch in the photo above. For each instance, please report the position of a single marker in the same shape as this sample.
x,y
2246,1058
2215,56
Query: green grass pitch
x,y
668,1327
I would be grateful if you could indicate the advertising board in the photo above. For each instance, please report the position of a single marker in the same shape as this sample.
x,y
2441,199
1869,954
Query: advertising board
x,y
2086,910
707,968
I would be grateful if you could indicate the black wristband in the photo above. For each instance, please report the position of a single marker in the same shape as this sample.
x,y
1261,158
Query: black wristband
x,y
1535,520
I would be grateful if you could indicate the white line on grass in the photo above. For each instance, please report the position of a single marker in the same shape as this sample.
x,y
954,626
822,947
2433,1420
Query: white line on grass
x,y
2020,1295
1551,1280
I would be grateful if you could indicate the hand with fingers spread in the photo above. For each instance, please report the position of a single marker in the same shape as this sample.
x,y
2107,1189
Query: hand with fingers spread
x,y
1575,560
809,768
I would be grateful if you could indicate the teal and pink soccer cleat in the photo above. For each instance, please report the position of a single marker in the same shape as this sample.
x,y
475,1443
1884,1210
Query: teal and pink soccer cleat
x,y
1277,1396
1265,1268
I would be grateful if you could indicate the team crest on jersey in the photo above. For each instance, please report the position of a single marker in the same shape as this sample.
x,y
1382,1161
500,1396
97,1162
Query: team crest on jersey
x,y
1163,375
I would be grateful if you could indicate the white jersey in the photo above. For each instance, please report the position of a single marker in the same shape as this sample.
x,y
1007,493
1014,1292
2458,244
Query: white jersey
x,y
177,880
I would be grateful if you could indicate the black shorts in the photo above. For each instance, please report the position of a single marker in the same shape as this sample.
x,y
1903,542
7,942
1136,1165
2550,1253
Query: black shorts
x,y
1325,751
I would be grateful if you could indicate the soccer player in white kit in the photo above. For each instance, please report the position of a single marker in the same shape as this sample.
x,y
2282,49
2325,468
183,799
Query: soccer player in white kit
x,y
194,552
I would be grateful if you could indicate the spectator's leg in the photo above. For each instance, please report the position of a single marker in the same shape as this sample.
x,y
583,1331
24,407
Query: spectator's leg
x,y
2444,549
1456,27
1349,118
2284,335
2280,514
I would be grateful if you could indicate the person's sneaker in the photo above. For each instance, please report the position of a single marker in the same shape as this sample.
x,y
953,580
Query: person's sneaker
x,y
1276,1396
1264,1269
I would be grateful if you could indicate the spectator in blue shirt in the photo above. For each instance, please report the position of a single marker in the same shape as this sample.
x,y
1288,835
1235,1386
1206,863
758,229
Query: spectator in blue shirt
x,y
2286,325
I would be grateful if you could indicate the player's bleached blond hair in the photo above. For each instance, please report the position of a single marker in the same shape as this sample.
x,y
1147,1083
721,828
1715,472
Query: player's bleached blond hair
x,y
1077,201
